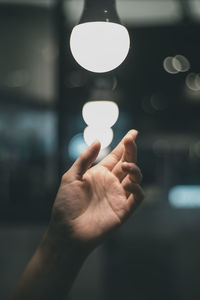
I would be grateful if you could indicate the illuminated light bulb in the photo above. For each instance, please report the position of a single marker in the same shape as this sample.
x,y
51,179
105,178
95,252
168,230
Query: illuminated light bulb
x,y
99,46
99,43
100,113
102,134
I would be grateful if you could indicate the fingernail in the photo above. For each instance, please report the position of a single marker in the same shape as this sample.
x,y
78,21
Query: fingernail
x,y
132,132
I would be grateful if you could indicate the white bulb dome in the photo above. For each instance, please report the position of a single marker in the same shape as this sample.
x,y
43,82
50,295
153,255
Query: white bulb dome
x,y
102,134
99,46
100,113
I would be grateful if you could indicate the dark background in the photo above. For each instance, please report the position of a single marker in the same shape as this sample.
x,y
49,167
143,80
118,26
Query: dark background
x,y
155,255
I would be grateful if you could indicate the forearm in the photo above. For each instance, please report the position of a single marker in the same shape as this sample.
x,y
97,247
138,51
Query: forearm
x,y
51,272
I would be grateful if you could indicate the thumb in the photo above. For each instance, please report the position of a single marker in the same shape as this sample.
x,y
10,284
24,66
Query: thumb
x,y
85,160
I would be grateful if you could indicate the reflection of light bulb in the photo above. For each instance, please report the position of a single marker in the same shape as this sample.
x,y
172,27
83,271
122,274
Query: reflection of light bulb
x,y
100,113
99,46
103,134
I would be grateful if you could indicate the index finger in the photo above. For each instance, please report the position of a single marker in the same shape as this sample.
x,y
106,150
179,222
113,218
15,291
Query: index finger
x,y
130,149
129,155
117,154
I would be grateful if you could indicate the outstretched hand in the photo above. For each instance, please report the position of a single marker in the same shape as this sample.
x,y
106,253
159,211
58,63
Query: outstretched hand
x,y
93,201
90,203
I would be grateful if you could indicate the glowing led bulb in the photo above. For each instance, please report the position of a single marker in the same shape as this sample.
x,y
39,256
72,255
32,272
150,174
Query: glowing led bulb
x,y
100,113
104,135
99,46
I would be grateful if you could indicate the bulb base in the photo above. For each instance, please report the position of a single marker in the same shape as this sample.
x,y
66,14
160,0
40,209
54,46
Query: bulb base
x,y
100,10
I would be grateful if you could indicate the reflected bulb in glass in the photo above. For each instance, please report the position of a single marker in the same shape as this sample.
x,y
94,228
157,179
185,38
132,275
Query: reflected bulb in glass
x,y
104,135
100,113
99,46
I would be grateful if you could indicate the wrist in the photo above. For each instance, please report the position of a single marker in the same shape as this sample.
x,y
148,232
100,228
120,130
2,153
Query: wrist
x,y
64,252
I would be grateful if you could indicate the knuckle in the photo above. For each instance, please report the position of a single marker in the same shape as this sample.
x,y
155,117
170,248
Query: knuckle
x,y
138,174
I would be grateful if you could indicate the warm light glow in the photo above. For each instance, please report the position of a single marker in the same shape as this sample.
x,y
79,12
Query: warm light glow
x,y
104,135
100,113
99,46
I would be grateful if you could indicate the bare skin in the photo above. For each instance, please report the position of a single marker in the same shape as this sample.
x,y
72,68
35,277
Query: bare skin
x,y
90,203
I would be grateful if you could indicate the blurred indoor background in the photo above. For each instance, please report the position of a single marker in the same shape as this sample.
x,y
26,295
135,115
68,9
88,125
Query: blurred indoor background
x,y
156,254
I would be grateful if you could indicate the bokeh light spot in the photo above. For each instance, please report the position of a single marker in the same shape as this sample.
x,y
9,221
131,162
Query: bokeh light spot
x,y
76,146
181,63
168,65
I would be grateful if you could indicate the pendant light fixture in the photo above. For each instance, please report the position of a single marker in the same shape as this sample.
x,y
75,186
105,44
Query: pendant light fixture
x,y
99,43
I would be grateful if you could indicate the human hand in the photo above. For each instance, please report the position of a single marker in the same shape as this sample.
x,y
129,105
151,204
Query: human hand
x,y
91,202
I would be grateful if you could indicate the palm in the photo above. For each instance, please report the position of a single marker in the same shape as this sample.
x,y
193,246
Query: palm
x,y
93,201
101,202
